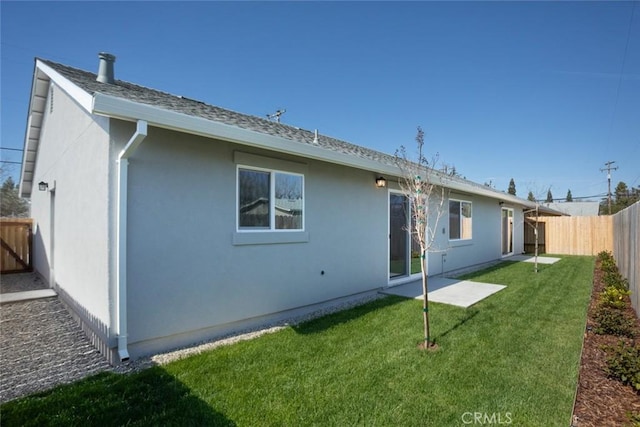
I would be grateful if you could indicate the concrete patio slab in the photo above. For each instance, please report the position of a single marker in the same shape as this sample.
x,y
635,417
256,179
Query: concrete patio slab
x,y
461,293
27,295
529,258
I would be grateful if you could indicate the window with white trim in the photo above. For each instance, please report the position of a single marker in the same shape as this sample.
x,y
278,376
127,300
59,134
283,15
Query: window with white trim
x,y
269,200
460,220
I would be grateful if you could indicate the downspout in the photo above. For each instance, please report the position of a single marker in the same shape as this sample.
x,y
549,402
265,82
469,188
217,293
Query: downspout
x,y
121,237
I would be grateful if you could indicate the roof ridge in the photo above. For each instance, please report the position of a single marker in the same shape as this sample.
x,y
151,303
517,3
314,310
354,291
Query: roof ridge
x,y
134,92
130,85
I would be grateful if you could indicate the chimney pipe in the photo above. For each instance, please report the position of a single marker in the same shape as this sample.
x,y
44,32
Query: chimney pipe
x,y
105,71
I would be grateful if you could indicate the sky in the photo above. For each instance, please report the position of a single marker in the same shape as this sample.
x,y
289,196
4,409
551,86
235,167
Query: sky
x,y
541,92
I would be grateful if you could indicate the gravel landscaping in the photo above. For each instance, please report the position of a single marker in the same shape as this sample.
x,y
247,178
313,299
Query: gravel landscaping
x,y
42,346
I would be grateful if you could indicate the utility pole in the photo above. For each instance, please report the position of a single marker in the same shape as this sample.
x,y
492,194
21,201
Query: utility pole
x,y
609,169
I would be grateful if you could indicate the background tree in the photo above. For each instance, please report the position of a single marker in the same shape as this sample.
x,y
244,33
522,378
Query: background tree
x,y
623,197
549,197
426,201
531,197
622,194
569,197
512,187
11,205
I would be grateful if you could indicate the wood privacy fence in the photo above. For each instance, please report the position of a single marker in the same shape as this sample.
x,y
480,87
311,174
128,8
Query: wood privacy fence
x,y
589,235
574,235
17,240
626,248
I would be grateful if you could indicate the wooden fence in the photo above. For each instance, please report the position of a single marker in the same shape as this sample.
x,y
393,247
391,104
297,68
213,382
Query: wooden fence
x,y
626,248
589,235
16,238
575,235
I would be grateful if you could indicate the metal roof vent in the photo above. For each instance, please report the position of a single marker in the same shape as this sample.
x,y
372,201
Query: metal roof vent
x,y
105,71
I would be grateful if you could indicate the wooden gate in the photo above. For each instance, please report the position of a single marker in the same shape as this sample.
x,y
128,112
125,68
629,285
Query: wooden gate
x,y
16,238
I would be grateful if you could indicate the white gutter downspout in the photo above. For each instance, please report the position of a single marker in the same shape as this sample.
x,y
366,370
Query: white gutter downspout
x,y
121,237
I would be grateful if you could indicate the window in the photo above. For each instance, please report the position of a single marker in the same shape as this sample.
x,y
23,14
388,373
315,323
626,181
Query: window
x,y
459,220
270,200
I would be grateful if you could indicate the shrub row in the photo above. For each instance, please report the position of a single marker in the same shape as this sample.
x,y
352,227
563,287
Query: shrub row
x,y
623,363
610,313
623,360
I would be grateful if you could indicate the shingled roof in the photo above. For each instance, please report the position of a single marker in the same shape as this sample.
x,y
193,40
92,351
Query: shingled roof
x,y
179,104
185,107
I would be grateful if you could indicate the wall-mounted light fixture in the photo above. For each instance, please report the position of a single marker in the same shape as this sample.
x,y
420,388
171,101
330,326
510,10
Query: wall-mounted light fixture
x,y
381,182
43,186
501,203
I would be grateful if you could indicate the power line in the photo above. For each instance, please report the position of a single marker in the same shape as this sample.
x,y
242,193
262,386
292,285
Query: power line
x,y
573,197
624,61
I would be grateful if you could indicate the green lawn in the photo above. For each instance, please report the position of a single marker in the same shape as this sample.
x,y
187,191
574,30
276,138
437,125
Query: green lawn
x,y
512,358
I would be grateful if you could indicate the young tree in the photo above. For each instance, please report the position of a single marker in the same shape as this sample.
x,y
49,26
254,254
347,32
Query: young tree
x,y
569,197
426,201
531,197
512,187
531,219
549,197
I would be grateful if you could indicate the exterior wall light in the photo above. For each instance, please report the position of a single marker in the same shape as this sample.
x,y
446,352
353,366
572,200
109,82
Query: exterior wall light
x,y
43,186
381,182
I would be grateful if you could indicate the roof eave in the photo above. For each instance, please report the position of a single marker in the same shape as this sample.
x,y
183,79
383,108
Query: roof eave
x,y
119,108
123,109
43,76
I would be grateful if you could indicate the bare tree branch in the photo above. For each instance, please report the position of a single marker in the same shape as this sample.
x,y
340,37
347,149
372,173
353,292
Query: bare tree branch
x,y
426,201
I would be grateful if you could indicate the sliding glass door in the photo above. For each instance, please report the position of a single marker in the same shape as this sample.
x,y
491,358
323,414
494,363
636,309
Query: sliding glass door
x,y
398,236
507,231
404,253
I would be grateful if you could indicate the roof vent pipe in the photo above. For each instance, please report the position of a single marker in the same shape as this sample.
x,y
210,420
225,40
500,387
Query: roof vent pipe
x,y
105,71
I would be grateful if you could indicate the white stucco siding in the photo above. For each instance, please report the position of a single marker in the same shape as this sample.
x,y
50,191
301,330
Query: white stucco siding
x,y
185,272
73,159
484,245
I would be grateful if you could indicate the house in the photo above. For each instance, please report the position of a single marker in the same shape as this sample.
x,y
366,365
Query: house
x,y
162,221
586,208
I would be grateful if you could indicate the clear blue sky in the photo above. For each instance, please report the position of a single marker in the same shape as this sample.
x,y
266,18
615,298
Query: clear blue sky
x,y
542,92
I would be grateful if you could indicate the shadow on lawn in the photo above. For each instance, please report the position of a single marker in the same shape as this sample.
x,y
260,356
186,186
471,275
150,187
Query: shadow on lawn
x,y
326,322
504,265
150,397
469,314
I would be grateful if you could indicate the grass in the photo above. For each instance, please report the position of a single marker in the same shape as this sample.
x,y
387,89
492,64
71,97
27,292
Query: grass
x,y
512,358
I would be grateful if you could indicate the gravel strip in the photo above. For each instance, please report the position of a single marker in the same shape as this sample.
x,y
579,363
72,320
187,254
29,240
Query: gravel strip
x,y
267,328
42,346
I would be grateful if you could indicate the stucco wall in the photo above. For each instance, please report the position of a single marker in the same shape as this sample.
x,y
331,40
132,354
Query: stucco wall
x,y
73,159
186,273
485,244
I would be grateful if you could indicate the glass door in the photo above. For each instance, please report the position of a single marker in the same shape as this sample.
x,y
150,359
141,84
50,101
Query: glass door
x,y
398,236
507,231
404,251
